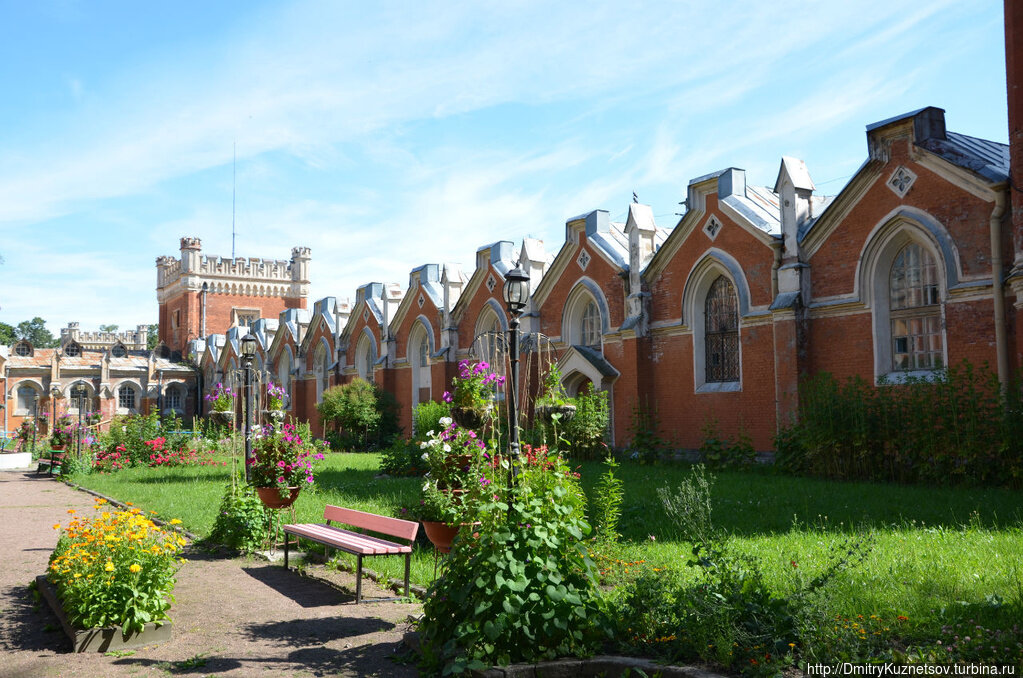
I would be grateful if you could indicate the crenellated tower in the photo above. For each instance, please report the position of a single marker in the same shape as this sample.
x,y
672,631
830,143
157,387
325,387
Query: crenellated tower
x,y
202,294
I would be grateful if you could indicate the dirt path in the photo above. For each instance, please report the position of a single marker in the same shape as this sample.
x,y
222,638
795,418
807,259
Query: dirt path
x,y
237,617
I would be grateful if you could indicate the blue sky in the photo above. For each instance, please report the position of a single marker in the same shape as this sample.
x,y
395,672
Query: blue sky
x,y
389,135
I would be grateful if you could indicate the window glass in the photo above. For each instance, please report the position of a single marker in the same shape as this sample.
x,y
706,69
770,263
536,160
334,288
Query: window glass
x,y
915,310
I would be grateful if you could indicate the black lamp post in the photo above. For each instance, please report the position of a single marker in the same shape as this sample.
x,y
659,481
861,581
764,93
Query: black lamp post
x,y
516,296
248,353
54,393
35,428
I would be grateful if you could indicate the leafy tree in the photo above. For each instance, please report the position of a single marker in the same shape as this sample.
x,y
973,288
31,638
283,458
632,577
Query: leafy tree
x,y
7,334
362,414
35,332
108,328
153,338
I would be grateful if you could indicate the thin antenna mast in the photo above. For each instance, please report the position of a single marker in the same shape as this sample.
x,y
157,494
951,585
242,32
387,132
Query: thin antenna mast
x,y
234,186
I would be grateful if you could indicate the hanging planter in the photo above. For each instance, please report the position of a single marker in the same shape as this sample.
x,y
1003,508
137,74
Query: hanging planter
x,y
442,535
471,417
275,417
272,499
545,413
222,417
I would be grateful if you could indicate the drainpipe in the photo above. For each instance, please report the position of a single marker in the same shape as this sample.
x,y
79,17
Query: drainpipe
x,y
7,370
998,290
205,289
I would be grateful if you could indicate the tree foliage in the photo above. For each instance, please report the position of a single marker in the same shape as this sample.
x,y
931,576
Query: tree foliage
x,y
35,332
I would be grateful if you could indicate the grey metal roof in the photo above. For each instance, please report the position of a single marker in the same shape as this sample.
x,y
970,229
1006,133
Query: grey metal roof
x,y
989,159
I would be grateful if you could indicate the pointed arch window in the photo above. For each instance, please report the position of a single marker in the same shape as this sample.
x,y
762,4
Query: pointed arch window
x,y
721,332
127,399
79,398
419,354
589,331
914,307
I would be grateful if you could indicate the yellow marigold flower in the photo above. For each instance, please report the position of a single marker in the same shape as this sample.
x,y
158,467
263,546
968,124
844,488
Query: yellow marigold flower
x,y
135,568
109,566
174,521
181,541
57,526
71,512
78,575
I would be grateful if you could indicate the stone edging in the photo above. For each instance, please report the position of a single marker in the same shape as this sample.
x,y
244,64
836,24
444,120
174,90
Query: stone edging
x,y
591,667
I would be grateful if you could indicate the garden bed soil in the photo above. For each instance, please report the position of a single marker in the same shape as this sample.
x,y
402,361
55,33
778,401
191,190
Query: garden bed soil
x,y
233,617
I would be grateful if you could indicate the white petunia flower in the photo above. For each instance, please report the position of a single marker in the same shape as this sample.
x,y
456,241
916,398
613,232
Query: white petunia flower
x,y
426,456
445,421
447,448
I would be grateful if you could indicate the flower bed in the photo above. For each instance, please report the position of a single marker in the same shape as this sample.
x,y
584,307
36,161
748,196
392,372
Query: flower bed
x,y
114,569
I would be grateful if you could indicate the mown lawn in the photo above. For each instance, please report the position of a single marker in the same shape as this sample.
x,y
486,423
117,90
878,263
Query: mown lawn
x,y
938,553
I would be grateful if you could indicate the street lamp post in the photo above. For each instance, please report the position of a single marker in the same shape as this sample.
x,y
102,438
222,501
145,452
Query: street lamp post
x,y
248,353
516,296
35,427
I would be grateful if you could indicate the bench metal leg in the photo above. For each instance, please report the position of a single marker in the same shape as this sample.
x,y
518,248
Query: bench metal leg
x,y
358,580
408,566
286,550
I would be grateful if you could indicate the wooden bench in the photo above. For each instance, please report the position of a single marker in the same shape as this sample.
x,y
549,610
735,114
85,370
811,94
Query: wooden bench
x,y
56,458
358,544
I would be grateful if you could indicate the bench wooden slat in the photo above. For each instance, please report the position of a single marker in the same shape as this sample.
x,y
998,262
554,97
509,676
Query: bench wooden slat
x,y
347,540
395,527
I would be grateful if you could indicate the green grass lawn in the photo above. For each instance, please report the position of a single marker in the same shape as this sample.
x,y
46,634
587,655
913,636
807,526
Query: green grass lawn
x,y
938,553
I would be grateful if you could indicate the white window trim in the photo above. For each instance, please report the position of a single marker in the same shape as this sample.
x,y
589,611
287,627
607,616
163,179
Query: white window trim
x,y
117,398
704,278
879,272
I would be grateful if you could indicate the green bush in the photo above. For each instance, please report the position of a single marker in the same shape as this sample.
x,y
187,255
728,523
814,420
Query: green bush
x,y
426,417
957,427
519,592
587,432
719,452
363,415
242,519
402,458
132,432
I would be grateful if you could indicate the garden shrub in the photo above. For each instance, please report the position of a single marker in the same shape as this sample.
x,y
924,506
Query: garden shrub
x,y
688,506
115,568
519,586
607,504
402,458
426,417
131,432
521,591
242,519
645,443
586,433
719,452
362,414
956,427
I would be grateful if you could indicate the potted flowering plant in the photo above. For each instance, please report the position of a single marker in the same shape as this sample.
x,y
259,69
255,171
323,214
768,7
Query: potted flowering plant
x,y
282,463
221,399
26,431
275,397
62,432
554,405
472,394
461,470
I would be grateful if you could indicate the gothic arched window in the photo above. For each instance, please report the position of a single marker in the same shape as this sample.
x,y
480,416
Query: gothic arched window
x,y
914,307
589,333
79,397
721,332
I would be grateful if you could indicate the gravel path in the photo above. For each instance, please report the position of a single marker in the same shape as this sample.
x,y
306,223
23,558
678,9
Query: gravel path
x,y
232,617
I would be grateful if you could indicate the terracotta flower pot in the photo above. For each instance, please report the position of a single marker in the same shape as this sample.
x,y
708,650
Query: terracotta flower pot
x,y
442,535
271,497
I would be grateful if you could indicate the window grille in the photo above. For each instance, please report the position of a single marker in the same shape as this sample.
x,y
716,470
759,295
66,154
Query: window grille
x,y
126,397
79,398
23,349
721,332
